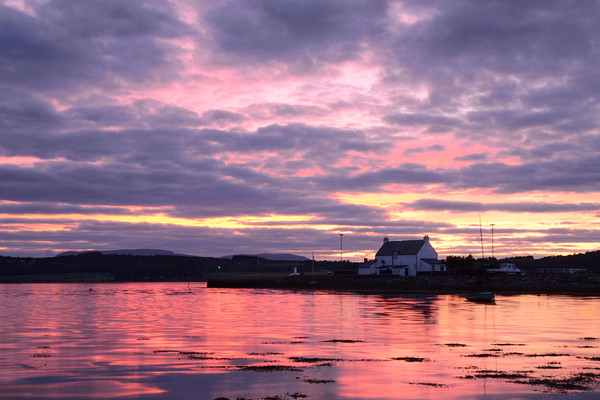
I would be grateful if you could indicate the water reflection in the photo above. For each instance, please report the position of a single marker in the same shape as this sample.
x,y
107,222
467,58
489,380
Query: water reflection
x,y
164,341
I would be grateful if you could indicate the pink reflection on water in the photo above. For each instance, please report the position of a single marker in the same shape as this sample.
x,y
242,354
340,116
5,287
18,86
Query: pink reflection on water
x,y
87,389
163,341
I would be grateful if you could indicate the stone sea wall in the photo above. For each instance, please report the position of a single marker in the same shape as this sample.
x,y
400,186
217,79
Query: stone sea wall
x,y
534,284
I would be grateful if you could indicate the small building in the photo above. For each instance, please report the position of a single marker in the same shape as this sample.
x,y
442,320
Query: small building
x,y
404,257
563,270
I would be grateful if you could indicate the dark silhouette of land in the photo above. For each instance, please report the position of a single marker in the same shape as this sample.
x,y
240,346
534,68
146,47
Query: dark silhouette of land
x,y
95,266
464,273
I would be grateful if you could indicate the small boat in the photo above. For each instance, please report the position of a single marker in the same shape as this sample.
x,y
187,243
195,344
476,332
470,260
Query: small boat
x,y
481,297
485,296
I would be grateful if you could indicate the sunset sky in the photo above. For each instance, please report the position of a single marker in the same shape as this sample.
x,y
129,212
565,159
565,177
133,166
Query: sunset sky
x,y
222,127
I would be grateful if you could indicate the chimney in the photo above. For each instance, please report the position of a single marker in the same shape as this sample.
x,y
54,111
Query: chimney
x,y
385,240
426,238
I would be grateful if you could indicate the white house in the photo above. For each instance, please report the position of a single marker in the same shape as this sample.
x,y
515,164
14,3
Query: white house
x,y
404,257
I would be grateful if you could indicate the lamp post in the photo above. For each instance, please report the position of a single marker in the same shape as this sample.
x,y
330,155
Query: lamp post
x,y
492,239
341,247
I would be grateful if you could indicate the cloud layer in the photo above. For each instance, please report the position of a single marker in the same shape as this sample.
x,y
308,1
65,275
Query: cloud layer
x,y
263,126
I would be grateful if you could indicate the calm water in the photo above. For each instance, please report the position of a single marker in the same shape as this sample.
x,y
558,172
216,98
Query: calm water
x,y
163,341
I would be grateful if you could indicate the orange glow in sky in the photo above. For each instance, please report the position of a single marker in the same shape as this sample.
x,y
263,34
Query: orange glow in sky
x,y
216,128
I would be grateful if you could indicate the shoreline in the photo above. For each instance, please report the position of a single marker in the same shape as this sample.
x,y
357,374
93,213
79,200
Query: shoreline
x,y
446,284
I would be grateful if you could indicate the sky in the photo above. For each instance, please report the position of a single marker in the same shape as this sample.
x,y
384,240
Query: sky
x,y
248,126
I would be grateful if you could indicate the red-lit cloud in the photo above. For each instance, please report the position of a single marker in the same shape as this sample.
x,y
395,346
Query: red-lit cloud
x,y
260,126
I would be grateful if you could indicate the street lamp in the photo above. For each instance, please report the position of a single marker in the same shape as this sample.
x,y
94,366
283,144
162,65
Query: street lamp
x,y
341,248
492,239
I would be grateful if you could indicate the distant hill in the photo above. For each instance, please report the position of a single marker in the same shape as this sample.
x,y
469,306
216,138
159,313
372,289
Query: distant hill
x,y
589,260
272,256
128,252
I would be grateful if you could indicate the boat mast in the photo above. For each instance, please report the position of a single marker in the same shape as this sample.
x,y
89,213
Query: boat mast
x,y
482,256
481,238
492,240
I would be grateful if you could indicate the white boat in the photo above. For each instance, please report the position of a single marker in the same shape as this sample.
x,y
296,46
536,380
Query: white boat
x,y
505,268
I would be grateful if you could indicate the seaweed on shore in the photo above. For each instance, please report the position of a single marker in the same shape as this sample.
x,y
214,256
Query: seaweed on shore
x,y
550,365
410,359
268,368
482,355
547,355
313,380
496,375
292,342
342,341
188,353
198,354
314,359
439,385
203,357
195,355
287,396
578,382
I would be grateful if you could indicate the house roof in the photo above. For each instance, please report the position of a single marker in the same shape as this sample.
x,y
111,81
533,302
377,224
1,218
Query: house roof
x,y
401,247
433,261
366,264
